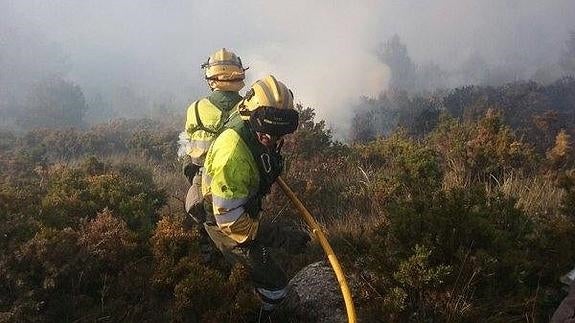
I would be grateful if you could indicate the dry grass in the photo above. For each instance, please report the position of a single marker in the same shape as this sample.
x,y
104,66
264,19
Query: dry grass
x,y
537,196
355,226
454,176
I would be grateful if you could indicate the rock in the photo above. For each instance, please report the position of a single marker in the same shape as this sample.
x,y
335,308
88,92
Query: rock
x,y
564,313
6,317
319,294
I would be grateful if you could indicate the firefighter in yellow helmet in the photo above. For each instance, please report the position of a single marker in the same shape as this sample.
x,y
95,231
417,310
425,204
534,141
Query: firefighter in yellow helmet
x,y
205,118
240,167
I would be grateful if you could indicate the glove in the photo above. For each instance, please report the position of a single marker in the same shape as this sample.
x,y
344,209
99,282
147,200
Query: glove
x,y
189,168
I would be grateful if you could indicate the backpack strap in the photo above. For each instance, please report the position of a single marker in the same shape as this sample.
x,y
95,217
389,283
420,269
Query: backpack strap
x,y
200,125
269,164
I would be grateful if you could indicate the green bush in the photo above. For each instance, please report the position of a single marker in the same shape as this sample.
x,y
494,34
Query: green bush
x,y
195,291
65,275
40,274
145,139
74,195
463,247
479,152
400,168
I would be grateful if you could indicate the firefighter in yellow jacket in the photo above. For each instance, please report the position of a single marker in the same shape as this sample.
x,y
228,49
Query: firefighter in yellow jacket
x,y
240,167
225,75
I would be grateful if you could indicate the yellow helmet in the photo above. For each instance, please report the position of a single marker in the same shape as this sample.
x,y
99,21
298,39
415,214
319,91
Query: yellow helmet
x,y
224,65
268,105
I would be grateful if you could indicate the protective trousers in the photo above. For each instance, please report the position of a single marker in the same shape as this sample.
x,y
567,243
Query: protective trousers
x,y
195,200
269,279
196,216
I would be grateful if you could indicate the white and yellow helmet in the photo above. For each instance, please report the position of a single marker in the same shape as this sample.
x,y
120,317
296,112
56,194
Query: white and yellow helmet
x,y
269,107
224,71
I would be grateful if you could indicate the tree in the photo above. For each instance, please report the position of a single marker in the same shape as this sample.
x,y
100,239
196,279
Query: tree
x,y
403,71
567,61
362,127
53,103
430,76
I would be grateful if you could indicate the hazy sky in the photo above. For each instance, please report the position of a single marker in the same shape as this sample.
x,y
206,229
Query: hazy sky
x,y
324,50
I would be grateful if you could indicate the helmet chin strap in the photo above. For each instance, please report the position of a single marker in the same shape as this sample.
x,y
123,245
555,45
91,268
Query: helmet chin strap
x,y
224,85
210,85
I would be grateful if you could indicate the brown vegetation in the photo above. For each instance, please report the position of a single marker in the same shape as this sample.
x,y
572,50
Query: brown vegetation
x,y
469,220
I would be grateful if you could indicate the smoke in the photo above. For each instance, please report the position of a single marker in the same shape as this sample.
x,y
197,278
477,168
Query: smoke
x,y
523,35
324,50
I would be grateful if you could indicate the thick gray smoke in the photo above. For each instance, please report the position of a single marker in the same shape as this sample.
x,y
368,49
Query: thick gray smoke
x,y
131,57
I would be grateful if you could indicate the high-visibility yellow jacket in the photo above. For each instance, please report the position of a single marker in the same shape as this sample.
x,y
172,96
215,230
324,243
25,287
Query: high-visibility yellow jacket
x,y
204,121
234,181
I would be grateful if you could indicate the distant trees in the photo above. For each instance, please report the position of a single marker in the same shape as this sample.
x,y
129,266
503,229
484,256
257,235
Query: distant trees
x,y
567,61
406,75
430,76
362,127
26,56
146,139
564,66
535,111
53,103
393,109
394,54
474,70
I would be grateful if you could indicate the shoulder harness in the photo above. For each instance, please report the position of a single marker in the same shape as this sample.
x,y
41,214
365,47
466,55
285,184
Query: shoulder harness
x,y
269,164
200,125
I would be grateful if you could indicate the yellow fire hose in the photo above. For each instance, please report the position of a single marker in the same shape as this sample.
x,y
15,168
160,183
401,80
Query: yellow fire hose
x,y
326,248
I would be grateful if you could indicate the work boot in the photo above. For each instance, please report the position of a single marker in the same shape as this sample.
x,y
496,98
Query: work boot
x,y
188,223
206,246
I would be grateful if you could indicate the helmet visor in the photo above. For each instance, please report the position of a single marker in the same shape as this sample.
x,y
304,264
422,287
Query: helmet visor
x,y
274,121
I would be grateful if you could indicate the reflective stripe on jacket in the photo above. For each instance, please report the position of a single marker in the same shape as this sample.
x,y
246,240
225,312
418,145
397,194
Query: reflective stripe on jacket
x,y
230,179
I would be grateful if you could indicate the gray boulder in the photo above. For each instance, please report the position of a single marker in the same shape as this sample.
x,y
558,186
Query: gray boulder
x,y
320,298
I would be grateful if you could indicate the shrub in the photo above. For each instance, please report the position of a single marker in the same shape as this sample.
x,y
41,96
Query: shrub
x,y
41,273
400,168
463,255
108,240
561,154
76,194
479,152
195,291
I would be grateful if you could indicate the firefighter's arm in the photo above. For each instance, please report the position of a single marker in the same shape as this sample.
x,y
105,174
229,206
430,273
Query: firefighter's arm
x,y
232,182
